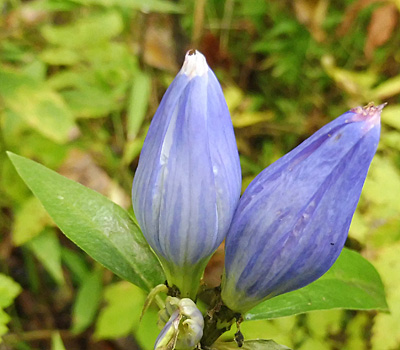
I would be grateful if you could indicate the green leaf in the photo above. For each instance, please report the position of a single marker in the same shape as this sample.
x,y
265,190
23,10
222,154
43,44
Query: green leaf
x,y
390,116
8,292
138,103
392,139
259,344
76,263
9,289
382,187
387,89
87,302
146,332
97,225
47,250
80,34
56,342
122,312
4,319
60,56
351,283
147,6
89,101
385,330
30,219
37,105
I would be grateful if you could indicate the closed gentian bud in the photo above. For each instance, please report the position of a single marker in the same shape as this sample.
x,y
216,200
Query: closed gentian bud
x,y
182,325
187,184
292,221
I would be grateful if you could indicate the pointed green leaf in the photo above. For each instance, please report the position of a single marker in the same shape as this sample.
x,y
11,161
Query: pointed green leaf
x,y
161,6
106,25
87,301
47,250
258,344
76,263
123,304
97,225
56,342
351,283
138,102
29,220
39,106
9,289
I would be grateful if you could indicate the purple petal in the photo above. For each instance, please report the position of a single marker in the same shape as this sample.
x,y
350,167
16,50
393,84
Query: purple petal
x,y
292,222
188,181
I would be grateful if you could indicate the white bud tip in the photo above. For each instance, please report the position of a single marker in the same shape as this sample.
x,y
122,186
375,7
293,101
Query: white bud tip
x,y
195,64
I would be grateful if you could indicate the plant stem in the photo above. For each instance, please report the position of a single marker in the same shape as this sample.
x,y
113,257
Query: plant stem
x,y
218,320
186,279
39,334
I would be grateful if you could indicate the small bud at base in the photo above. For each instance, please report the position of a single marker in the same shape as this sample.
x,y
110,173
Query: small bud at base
x,y
182,324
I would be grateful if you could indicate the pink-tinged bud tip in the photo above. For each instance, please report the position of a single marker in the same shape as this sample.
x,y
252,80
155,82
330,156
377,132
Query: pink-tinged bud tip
x,y
369,113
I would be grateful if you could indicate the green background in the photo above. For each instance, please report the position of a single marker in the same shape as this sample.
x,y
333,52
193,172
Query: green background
x,y
79,83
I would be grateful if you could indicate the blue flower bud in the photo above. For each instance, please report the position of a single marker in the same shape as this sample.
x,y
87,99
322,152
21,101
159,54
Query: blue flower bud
x,y
187,184
292,221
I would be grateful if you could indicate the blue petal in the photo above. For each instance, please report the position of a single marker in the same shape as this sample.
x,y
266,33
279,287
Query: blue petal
x,y
168,333
188,181
293,220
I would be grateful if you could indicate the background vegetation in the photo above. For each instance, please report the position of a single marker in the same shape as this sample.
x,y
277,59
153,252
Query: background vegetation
x,y
79,83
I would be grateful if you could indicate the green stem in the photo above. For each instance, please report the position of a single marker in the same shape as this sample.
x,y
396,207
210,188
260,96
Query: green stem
x,y
186,279
218,320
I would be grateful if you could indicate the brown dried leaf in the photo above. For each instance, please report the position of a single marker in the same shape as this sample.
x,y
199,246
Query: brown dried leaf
x,y
381,27
352,13
312,13
158,50
215,267
80,167
25,16
216,55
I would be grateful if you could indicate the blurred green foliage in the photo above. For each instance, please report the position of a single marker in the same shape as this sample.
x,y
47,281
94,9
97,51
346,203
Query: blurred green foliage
x,y
79,83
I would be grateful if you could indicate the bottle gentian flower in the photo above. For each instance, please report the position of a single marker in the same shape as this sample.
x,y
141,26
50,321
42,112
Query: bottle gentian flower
x,y
187,184
293,219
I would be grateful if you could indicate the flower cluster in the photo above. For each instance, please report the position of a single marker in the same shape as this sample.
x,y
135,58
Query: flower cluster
x,y
291,223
